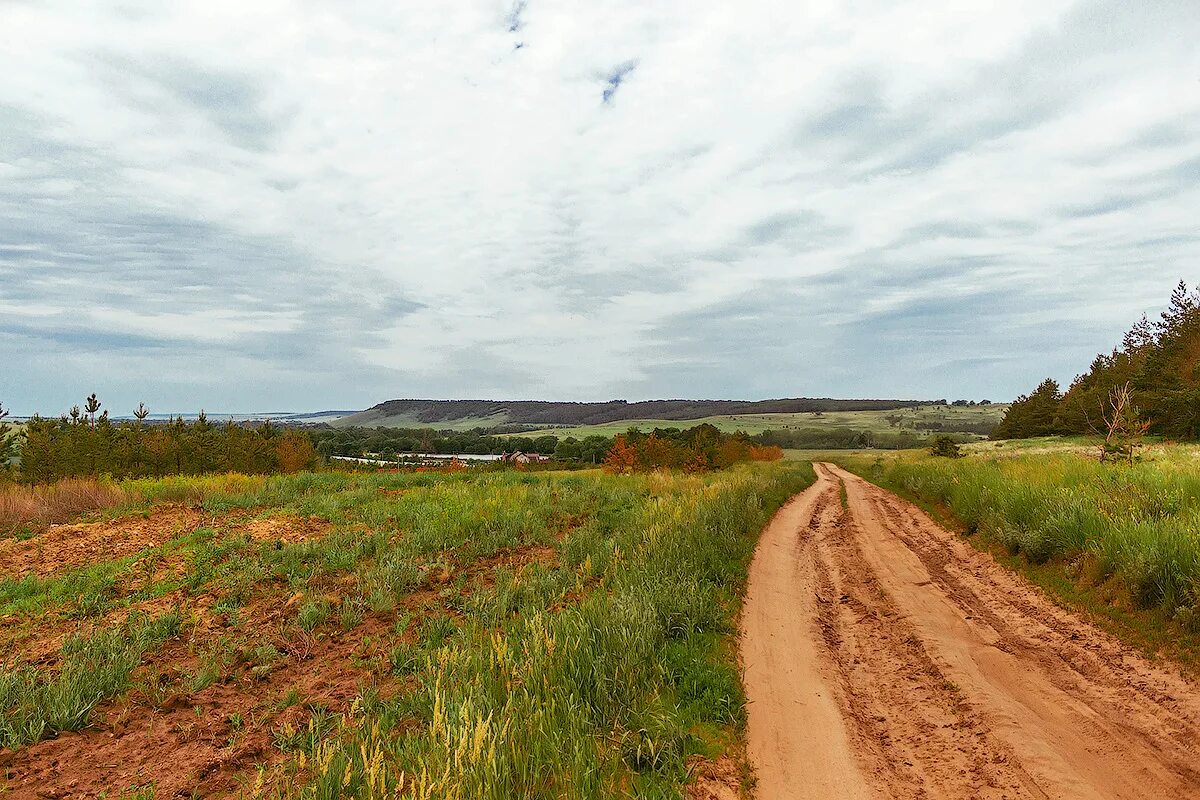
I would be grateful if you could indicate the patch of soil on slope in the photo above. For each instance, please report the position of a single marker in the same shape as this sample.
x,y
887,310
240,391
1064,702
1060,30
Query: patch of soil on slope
x,y
197,743
62,546
286,528
37,639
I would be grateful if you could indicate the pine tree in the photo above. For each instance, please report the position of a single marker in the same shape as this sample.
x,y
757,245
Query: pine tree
x,y
91,406
7,441
1036,414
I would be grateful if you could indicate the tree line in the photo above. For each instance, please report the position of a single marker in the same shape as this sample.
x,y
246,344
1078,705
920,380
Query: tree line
x,y
1158,362
8,442
84,443
388,442
836,438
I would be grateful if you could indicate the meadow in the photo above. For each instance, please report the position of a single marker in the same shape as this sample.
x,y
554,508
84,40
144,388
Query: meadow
x,y
947,418
1118,539
322,635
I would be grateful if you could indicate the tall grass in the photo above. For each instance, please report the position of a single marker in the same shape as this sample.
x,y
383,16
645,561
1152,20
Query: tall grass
x,y
33,507
1139,524
583,647
604,696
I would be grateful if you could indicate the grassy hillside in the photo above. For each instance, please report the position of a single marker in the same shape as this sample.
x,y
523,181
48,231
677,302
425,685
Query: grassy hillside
x,y
378,418
950,418
465,414
490,635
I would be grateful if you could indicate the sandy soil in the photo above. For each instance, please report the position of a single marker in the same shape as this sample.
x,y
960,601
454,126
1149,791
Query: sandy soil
x,y
886,657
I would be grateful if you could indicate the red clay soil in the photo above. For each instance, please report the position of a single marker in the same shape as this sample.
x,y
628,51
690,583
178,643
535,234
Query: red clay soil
x,y
132,742
886,657
714,780
62,546
190,745
286,528
37,640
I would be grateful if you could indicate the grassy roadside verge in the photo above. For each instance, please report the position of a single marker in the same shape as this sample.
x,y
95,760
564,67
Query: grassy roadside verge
x,y
1116,544
606,695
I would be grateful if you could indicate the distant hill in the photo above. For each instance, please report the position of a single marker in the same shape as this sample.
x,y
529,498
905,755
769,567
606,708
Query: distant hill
x,y
465,414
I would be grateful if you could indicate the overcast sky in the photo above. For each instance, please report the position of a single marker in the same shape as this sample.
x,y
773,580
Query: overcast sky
x,y
303,205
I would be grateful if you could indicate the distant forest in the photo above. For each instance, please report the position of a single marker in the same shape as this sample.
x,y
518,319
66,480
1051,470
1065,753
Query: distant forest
x,y
538,413
1159,360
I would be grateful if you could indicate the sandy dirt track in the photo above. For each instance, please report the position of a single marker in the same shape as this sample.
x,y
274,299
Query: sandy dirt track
x,y
886,657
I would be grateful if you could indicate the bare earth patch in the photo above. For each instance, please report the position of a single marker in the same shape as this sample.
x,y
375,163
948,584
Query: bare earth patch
x,y
60,547
200,743
714,780
286,528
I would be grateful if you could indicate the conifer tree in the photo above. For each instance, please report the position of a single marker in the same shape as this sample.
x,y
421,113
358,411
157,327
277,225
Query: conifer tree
x,y
1159,360
7,441
91,406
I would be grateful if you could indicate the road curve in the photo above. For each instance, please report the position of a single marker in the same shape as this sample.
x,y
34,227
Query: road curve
x,y
884,657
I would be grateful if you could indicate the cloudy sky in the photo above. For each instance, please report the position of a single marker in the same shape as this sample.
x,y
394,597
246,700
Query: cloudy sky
x,y
305,205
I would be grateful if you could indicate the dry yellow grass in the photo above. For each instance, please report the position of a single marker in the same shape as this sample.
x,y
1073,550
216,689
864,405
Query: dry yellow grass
x,y
38,506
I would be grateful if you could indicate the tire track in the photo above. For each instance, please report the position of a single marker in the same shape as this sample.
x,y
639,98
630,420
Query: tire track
x,y
886,657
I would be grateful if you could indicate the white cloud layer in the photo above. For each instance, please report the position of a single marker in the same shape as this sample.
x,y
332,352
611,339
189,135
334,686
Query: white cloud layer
x,y
309,205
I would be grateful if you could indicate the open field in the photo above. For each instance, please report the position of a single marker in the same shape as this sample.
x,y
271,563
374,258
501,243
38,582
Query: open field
x,y
571,634
952,418
372,418
478,636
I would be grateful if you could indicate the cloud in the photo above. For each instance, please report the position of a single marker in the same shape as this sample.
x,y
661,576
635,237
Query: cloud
x,y
615,78
513,20
233,103
274,205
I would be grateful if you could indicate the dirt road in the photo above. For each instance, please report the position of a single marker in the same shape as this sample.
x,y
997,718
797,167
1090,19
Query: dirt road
x,y
885,657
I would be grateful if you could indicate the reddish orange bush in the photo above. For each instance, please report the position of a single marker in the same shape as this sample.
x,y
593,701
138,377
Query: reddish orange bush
x,y
692,452
295,452
622,456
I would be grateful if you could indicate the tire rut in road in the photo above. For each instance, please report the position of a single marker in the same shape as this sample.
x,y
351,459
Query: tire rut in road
x,y
933,672
916,733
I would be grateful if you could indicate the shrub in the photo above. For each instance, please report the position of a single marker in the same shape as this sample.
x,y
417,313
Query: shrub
x,y
945,447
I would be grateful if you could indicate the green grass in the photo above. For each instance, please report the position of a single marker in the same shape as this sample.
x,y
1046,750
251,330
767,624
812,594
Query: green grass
x,y
1127,534
956,418
576,637
525,696
36,703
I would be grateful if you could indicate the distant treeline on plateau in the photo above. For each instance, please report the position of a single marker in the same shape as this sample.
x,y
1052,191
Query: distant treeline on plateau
x,y
538,413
